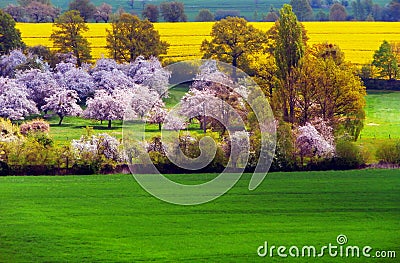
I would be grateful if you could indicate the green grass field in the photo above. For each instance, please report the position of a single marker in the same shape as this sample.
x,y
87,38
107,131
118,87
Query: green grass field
x,y
110,218
382,122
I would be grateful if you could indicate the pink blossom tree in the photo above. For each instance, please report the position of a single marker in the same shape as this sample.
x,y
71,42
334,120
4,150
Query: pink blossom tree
x,y
63,103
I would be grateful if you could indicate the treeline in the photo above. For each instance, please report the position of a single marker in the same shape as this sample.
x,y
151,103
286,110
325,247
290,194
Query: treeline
x,y
38,11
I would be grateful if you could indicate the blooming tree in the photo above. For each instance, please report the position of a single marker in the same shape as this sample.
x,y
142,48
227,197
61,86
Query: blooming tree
x,y
106,106
63,103
40,84
158,113
311,143
174,122
150,73
111,79
142,100
14,100
199,104
76,79
8,63
98,145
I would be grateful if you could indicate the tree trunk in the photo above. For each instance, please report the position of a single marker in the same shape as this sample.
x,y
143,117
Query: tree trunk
x,y
61,119
109,124
159,126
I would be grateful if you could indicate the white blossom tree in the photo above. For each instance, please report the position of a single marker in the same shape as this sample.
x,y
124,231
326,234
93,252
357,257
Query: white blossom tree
x,y
311,143
142,100
107,106
76,79
150,73
39,84
63,103
158,114
174,122
111,79
8,63
14,101
199,104
98,145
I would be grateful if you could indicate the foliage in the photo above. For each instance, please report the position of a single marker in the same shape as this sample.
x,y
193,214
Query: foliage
x,y
234,42
151,12
8,131
386,62
205,15
288,51
77,79
10,37
34,126
389,152
9,63
302,9
173,11
131,37
337,13
348,155
67,37
84,7
103,12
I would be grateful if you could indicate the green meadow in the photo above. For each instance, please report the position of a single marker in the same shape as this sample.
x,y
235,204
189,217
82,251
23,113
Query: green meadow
x,y
110,218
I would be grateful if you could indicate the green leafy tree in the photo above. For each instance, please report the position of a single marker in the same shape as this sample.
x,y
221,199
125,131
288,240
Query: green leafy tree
x,y
10,37
205,15
67,36
302,9
173,11
85,8
337,13
130,37
385,61
151,12
234,41
289,49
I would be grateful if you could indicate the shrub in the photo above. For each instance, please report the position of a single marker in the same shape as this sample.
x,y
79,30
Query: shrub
x,y
389,152
348,155
8,131
34,126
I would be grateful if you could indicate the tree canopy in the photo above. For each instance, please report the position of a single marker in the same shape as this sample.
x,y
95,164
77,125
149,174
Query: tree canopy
x,y
130,37
67,36
10,37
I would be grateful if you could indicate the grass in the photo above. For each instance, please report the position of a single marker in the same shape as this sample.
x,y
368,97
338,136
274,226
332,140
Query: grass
x,y
382,121
110,218
358,40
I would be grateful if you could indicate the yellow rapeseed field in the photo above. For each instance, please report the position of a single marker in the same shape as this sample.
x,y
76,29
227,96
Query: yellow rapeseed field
x,y
358,40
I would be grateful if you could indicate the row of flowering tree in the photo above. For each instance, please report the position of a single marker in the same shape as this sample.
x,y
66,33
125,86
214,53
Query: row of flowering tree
x,y
107,89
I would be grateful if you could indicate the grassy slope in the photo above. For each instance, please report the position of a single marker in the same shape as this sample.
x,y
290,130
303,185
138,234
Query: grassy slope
x,y
110,218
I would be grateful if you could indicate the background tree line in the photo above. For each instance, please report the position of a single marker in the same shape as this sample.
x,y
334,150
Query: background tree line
x,y
306,10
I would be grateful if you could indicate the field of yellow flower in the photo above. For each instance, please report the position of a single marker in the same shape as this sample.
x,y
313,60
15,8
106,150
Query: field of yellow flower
x,y
358,40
